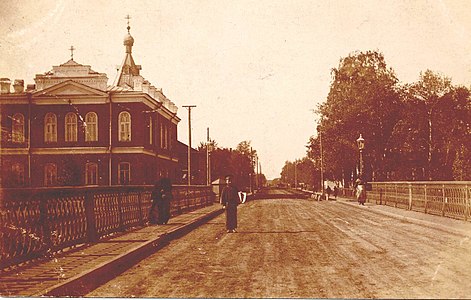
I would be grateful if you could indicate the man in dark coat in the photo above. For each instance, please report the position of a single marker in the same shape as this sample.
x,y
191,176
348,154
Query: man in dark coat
x,y
229,201
161,199
166,198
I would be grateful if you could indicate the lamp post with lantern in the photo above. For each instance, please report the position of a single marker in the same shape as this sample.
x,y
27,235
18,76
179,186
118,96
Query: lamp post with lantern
x,y
360,182
361,146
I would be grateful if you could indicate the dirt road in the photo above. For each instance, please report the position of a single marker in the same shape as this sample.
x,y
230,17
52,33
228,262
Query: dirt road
x,y
297,248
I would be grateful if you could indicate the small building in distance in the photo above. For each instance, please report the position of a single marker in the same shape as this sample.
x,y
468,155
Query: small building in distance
x,y
71,129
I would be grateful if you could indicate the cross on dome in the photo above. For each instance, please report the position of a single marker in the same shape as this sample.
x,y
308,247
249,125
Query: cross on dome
x,y
128,18
72,52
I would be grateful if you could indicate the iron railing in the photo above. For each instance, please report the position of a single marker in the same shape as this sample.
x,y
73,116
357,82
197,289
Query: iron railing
x,y
41,222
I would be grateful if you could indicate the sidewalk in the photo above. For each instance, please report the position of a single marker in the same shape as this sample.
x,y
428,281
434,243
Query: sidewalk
x,y
450,225
78,271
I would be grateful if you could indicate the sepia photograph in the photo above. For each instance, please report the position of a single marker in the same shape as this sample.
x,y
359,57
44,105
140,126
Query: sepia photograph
x,y
219,149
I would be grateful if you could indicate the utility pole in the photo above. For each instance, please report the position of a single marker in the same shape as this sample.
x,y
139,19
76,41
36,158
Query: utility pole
x,y
208,172
189,141
256,174
322,160
260,172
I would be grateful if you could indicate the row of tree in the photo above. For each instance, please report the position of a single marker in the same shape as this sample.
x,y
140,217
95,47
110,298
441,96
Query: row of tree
x,y
241,162
417,131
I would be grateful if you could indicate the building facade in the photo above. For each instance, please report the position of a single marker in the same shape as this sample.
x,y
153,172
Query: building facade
x,y
71,128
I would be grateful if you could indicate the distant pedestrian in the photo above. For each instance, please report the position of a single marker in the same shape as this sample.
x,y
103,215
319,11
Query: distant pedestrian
x,y
161,200
167,197
229,200
336,192
154,209
360,191
328,191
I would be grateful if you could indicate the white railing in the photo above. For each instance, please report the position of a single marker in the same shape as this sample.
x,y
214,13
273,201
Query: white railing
x,y
445,198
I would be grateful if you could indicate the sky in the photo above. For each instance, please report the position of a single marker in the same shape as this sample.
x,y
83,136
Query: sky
x,y
256,70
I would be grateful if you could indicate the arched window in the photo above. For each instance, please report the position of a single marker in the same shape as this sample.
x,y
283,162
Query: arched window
x,y
91,174
18,128
50,128
70,127
124,173
18,173
50,174
91,129
124,127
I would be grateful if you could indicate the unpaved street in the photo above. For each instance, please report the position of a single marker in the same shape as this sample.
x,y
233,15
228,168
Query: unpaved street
x,y
297,248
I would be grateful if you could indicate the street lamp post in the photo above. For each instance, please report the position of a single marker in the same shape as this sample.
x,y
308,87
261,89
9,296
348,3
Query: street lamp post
x,y
360,183
361,146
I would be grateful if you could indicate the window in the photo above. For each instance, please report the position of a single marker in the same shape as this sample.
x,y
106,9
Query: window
x,y
124,173
50,128
18,128
50,175
166,138
18,173
163,136
70,127
150,130
91,174
91,129
124,126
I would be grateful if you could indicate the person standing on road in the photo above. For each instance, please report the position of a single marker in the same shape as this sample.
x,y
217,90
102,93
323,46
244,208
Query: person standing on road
x,y
360,191
328,191
155,208
230,200
166,198
161,198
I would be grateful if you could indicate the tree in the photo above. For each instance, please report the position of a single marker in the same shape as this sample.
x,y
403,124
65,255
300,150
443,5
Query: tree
x,y
363,98
302,171
429,93
239,162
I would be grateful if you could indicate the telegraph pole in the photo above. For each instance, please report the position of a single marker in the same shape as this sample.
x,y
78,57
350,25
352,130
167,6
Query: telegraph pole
x,y
208,174
322,161
189,141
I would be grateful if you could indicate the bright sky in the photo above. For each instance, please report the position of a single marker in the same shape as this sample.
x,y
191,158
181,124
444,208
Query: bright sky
x,y
254,69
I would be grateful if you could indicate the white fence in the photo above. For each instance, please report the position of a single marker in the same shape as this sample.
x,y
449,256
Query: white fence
x,y
445,198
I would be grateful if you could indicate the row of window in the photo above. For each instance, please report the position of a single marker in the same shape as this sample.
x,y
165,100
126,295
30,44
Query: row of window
x,y
90,124
50,174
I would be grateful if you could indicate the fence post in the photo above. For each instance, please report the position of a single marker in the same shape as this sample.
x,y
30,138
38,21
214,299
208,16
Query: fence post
x,y
444,200
90,215
380,196
425,194
466,195
43,213
139,205
120,211
395,198
410,196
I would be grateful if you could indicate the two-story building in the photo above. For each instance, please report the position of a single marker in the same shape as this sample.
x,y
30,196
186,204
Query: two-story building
x,y
71,128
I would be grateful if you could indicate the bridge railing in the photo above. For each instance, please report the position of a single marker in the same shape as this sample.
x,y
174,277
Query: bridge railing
x,y
41,222
447,198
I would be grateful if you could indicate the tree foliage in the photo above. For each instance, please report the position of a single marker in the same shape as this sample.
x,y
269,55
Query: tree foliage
x,y
418,131
239,162
363,99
